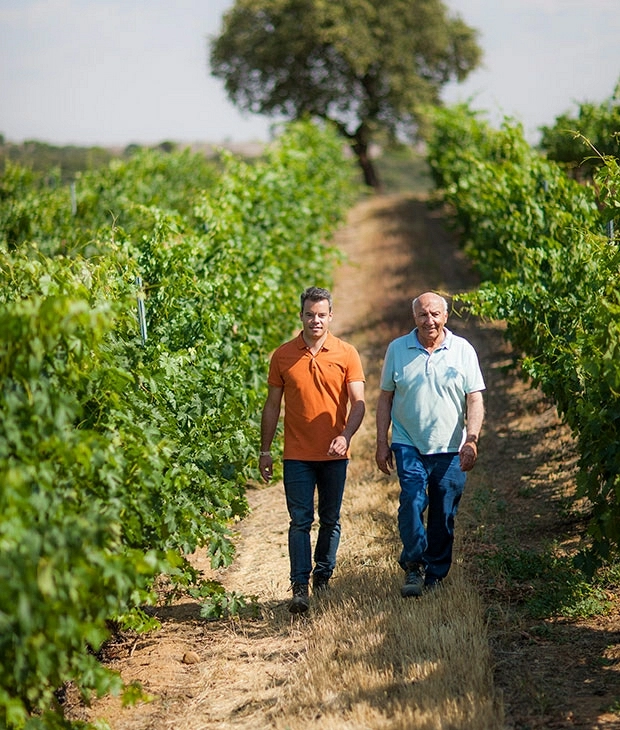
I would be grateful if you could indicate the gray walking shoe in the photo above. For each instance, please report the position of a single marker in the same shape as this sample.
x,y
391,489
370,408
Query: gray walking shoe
x,y
414,582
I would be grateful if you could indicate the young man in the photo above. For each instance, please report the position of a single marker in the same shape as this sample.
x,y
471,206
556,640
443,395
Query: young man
x,y
322,381
431,394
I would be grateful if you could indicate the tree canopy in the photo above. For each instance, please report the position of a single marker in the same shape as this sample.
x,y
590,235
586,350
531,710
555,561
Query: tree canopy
x,y
369,66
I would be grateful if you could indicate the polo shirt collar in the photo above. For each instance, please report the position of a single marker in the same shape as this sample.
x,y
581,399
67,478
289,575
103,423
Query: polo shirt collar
x,y
412,340
301,343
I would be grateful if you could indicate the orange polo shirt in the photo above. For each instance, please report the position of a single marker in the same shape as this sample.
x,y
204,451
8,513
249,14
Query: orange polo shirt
x,y
315,394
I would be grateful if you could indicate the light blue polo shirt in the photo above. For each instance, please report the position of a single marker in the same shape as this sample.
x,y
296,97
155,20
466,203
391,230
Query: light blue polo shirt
x,y
430,389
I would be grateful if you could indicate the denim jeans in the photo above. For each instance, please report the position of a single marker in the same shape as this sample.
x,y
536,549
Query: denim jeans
x,y
300,480
436,482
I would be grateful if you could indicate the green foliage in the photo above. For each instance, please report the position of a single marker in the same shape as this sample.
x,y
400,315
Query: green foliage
x,y
580,142
108,201
516,210
364,65
548,584
550,272
63,567
119,458
220,604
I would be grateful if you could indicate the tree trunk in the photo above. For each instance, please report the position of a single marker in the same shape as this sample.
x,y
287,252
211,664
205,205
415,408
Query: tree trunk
x,y
371,177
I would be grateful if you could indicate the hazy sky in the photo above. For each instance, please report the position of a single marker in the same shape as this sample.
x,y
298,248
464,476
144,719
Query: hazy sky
x,y
120,71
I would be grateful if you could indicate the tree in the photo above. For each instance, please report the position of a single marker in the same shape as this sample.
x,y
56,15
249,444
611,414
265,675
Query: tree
x,y
369,66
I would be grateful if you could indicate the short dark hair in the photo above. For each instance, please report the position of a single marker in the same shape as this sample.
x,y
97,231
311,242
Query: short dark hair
x,y
316,294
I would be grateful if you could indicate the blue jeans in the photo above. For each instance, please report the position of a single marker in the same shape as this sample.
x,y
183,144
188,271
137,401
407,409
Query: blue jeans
x,y
300,480
437,482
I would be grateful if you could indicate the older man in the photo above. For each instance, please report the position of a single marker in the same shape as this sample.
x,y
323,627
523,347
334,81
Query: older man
x,y
431,394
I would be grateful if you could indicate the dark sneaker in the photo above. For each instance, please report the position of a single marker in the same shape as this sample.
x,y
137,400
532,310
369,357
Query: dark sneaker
x,y
414,582
300,602
319,583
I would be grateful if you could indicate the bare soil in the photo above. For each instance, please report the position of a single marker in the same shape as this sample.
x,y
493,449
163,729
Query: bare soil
x,y
552,673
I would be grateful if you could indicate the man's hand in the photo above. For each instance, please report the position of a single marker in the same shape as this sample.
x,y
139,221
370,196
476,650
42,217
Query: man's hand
x,y
338,446
384,459
468,455
265,464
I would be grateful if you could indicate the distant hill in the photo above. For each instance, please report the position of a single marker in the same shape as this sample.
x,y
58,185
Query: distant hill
x,y
70,159
400,168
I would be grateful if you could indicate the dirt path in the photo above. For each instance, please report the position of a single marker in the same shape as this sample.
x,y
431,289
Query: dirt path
x,y
233,674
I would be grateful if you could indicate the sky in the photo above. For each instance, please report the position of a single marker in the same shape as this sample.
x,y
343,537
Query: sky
x,y
116,72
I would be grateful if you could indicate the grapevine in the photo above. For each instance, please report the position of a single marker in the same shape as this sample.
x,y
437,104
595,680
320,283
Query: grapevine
x,y
121,454
541,243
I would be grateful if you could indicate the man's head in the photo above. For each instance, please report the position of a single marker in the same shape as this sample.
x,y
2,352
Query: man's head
x,y
315,294
430,312
315,314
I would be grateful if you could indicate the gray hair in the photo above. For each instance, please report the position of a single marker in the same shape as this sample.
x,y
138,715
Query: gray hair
x,y
443,299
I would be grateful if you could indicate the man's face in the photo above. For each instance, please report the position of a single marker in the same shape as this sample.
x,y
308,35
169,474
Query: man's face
x,y
430,317
315,319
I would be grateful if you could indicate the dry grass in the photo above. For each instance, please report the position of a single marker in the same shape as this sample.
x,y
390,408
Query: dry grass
x,y
363,657
375,660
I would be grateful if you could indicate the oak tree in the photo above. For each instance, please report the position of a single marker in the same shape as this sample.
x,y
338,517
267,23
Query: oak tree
x,y
369,66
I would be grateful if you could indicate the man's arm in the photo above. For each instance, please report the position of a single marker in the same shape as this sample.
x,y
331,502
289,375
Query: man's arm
x,y
340,444
475,417
268,425
383,455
